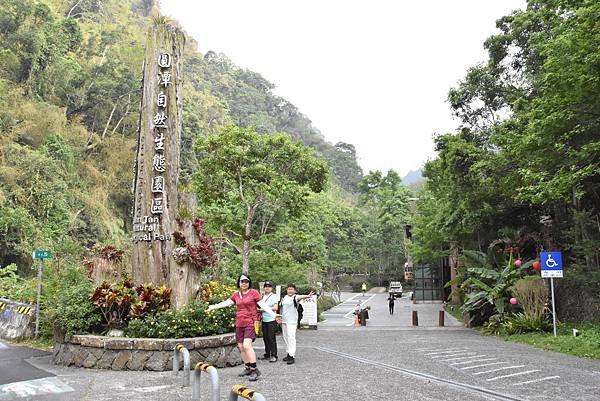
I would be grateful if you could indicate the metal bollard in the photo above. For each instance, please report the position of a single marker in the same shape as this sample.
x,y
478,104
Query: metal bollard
x,y
214,378
441,318
415,318
245,392
186,363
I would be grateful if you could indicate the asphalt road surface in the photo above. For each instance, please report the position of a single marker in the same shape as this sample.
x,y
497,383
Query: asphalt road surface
x,y
386,360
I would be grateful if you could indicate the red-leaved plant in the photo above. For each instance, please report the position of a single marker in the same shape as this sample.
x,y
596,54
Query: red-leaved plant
x,y
113,301
202,253
150,300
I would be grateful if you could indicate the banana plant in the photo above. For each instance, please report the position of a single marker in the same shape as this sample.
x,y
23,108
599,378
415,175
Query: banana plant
x,y
484,285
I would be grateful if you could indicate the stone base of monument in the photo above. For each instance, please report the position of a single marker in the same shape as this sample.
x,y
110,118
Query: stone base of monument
x,y
121,353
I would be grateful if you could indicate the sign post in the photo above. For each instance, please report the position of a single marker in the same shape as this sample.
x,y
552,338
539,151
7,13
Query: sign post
x,y
309,314
551,268
41,255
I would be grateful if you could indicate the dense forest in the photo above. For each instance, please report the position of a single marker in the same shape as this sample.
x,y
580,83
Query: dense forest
x,y
522,174
70,94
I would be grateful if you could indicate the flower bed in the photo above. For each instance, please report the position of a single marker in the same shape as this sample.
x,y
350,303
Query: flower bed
x,y
121,353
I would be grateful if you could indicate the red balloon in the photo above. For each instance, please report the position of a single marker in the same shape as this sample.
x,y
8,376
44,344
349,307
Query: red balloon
x,y
537,265
518,263
514,301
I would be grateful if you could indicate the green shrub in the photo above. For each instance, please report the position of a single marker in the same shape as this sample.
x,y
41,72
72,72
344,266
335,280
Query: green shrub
x,y
532,294
191,321
72,312
66,306
519,323
324,303
485,285
578,296
494,325
16,288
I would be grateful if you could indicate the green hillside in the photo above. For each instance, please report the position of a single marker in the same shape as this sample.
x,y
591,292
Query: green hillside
x,y
70,81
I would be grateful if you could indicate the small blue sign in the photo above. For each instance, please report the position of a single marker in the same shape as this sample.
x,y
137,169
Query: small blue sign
x,y
551,264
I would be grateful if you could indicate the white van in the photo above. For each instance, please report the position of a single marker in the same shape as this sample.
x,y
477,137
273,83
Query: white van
x,y
395,289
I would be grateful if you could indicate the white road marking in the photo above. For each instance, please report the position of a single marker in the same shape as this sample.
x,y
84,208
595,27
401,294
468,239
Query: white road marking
x,y
150,389
482,365
496,370
474,360
536,380
446,352
2,346
446,356
47,385
350,299
513,374
463,357
420,375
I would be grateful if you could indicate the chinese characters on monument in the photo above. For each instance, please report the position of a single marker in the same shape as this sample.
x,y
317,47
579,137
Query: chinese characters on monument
x,y
147,228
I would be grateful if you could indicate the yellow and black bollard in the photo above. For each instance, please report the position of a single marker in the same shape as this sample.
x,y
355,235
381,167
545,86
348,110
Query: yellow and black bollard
x,y
242,391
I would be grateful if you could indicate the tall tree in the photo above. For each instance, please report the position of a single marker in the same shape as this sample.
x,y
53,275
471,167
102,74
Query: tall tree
x,y
241,171
386,202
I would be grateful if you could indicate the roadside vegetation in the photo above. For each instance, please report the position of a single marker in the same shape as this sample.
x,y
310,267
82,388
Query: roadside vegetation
x,y
522,175
69,96
585,345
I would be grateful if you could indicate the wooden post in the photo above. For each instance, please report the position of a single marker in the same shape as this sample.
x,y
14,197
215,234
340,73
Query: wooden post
x,y
441,318
415,318
157,163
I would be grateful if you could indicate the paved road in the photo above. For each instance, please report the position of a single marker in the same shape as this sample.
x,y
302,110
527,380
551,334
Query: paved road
x,y
378,362
14,368
379,316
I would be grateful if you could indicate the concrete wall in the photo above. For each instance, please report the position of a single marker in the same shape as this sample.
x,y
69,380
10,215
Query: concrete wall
x,y
17,320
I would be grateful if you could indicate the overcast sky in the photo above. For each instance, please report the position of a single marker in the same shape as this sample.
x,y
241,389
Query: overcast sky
x,y
372,73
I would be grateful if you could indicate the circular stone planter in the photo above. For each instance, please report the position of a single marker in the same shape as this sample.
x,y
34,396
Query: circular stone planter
x,y
121,353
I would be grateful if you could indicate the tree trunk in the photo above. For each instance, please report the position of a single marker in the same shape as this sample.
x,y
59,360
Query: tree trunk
x,y
109,120
247,236
105,270
185,277
155,205
454,262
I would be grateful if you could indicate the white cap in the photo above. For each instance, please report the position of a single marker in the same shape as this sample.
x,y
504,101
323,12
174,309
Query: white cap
x,y
244,277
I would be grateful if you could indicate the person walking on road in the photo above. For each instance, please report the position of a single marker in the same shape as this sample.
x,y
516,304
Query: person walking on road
x,y
391,301
246,301
269,325
289,318
364,288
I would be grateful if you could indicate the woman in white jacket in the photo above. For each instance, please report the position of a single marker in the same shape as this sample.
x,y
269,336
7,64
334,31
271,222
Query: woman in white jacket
x,y
289,317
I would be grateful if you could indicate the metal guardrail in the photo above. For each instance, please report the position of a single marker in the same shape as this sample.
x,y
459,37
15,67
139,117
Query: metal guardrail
x,y
180,349
242,391
214,378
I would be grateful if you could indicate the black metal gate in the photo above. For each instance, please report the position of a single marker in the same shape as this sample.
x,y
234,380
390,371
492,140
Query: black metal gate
x,y
430,280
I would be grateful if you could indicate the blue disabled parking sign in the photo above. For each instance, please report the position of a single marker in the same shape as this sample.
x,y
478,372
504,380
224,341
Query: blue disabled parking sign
x,y
551,264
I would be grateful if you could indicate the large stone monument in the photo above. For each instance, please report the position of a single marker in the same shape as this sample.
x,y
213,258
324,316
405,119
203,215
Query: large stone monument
x,y
156,202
